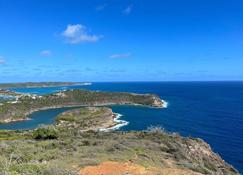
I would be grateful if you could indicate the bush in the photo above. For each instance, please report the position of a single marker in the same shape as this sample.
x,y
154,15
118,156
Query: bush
x,y
45,133
26,169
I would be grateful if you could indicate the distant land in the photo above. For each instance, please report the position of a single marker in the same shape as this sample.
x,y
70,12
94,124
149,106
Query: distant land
x,y
40,84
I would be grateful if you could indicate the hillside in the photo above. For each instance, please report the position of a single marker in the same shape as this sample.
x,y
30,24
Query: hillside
x,y
75,147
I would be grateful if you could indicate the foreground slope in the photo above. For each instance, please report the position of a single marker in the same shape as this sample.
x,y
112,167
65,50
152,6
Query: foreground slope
x,y
74,146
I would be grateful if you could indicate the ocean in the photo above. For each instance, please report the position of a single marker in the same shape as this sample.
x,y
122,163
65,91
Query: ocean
x,y
212,111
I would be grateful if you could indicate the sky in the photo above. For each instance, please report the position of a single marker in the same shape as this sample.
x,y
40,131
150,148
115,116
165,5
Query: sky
x,y
121,40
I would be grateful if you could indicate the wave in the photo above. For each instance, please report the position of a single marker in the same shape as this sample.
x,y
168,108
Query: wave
x,y
85,84
165,104
120,123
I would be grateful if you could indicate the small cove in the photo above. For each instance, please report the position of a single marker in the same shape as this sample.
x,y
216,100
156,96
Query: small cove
x,y
44,117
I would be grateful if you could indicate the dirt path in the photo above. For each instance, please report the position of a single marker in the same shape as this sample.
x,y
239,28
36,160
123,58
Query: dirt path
x,y
128,168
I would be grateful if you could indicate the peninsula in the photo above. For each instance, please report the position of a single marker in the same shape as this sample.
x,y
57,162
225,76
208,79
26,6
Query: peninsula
x,y
26,103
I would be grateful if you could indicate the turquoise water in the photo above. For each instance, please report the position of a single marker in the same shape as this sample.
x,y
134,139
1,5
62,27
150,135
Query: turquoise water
x,y
212,111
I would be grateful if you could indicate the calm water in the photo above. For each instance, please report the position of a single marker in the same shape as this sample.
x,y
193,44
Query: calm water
x,y
209,110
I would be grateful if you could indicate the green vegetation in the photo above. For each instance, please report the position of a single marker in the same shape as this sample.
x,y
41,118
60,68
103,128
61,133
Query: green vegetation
x,y
13,135
28,104
74,150
87,118
45,133
64,149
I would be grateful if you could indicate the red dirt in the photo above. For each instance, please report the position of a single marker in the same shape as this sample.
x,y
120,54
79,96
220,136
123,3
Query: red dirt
x,y
128,168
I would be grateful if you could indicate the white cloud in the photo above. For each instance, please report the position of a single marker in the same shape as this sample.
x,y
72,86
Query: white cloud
x,y
128,10
46,53
2,61
125,55
77,33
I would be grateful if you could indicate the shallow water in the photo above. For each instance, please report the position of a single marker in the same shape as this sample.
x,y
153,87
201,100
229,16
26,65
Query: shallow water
x,y
212,111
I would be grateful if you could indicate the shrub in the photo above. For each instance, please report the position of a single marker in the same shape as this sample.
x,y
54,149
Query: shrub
x,y
45,133
25,168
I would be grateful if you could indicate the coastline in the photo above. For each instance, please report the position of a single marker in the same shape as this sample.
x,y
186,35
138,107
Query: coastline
x,y
5,121
115,124
106,121
118,123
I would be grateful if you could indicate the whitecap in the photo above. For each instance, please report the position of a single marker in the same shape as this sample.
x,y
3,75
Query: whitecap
x,y
165,104
119,123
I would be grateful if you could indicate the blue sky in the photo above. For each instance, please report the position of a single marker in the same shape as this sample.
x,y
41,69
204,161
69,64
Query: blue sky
x,y
121,40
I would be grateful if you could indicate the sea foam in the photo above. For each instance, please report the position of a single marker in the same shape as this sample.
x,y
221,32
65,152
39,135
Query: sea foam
x,y
165,104
120,123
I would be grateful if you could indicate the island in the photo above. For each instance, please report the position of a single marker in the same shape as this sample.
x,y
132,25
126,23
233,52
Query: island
x,y
25,104
75,145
